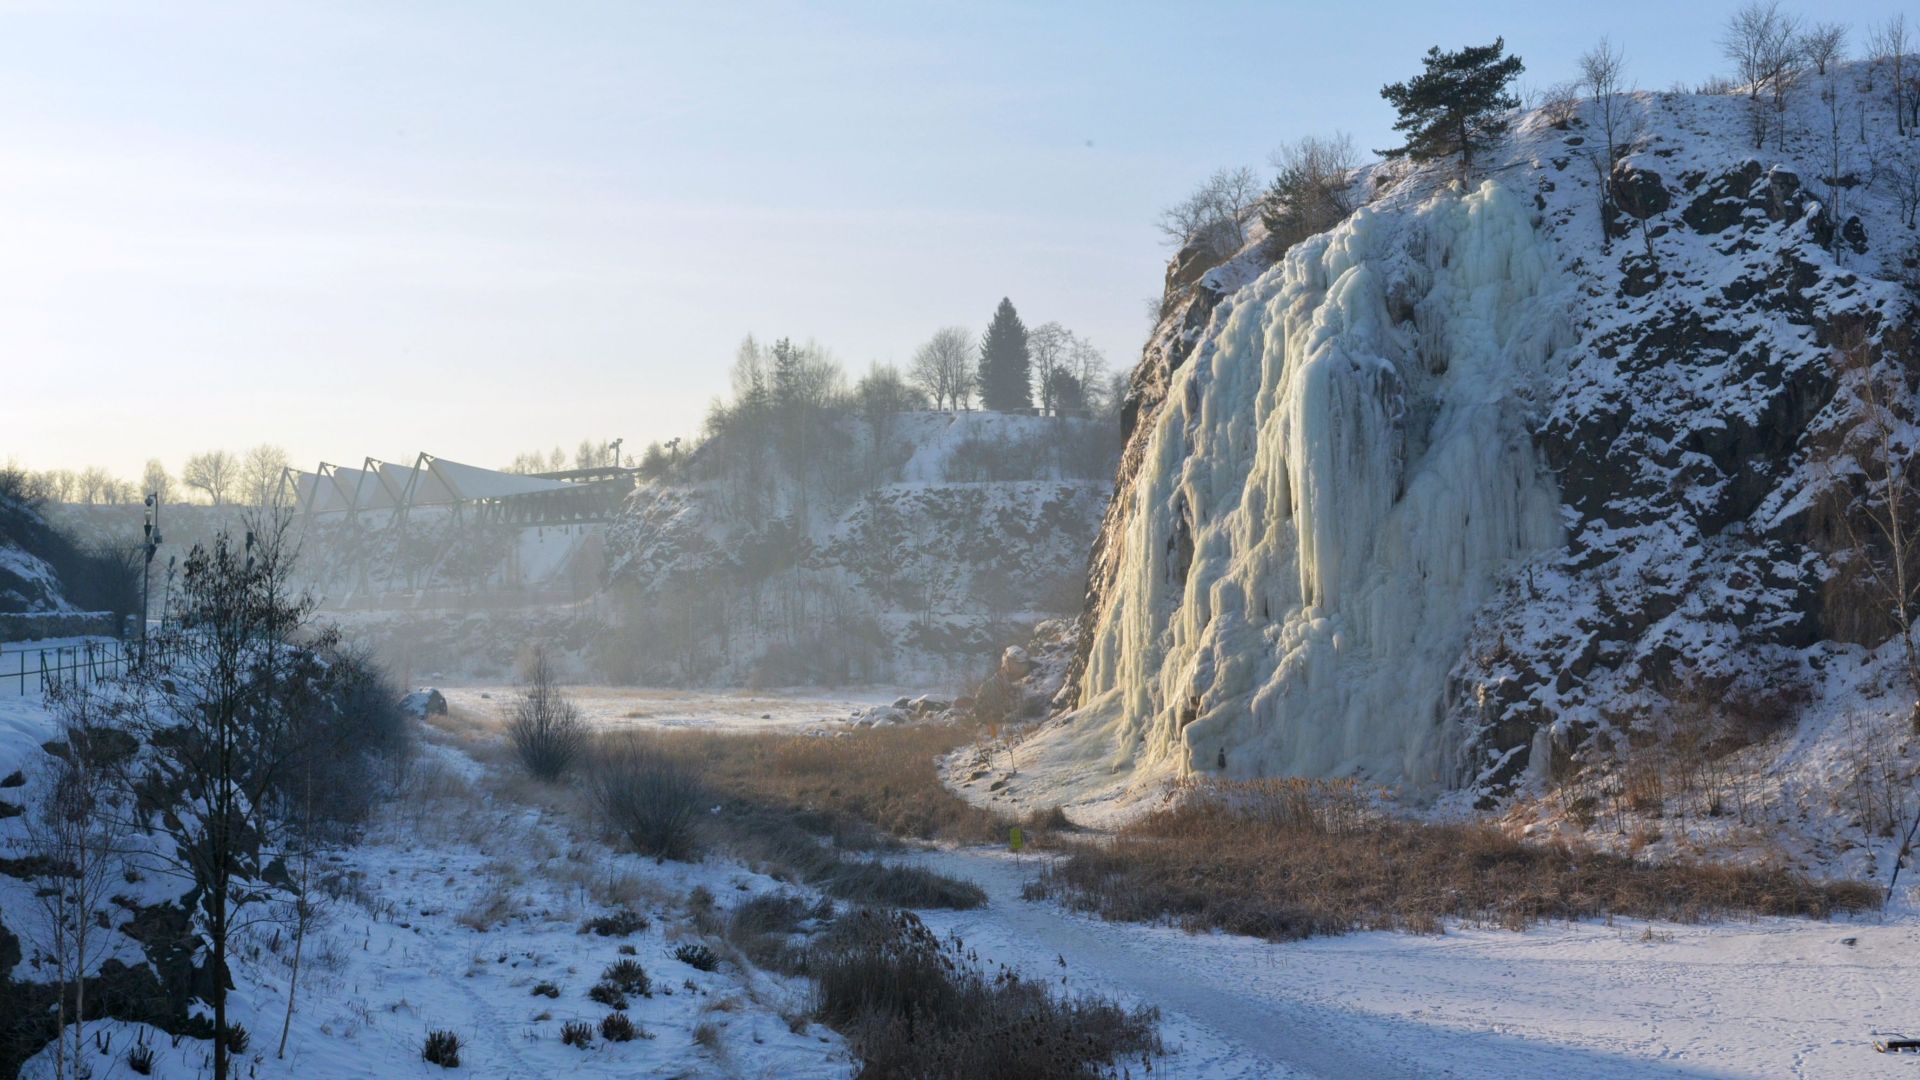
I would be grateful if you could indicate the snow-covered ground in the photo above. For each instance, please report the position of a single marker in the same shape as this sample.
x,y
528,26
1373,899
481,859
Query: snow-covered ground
x,y
730,710
468,893
456,906
1769,998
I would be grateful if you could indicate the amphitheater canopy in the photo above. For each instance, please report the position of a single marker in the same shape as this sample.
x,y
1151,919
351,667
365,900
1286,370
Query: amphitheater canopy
x,y
575,495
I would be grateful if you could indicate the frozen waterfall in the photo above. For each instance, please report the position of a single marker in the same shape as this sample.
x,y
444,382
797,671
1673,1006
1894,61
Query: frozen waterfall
x,y
1339,478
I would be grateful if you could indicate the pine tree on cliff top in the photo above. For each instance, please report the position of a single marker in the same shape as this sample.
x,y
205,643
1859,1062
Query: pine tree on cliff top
x,y
1005,382
1457,105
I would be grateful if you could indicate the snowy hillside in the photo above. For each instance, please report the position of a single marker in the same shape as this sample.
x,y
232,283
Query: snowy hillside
x,y
975,530
52,584
1469,491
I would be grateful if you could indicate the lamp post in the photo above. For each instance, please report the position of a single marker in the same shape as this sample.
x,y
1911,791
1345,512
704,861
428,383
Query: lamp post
x,y
152,532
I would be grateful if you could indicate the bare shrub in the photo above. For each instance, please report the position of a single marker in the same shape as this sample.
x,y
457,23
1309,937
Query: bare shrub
x,y
894,885
761,928
577,1033
546,731
617,1027
697,956
912,1005
1560,104
442,1049
629,976
707,1034
1211,216
646,796
622,923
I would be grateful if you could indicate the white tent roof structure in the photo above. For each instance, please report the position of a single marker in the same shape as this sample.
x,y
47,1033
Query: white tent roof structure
x,y
473,482
432,481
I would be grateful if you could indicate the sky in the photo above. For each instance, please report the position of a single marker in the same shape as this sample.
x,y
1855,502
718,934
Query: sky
x,y
476,228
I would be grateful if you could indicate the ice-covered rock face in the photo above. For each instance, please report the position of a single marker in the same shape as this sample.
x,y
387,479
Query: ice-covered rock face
x,y
1338,480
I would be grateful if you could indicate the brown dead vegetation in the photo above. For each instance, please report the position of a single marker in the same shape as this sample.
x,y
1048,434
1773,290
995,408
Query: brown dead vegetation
x,y
1296,859
886,778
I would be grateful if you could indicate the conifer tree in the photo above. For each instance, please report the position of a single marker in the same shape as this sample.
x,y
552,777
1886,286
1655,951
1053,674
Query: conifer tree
x,y
1005,383
1456,105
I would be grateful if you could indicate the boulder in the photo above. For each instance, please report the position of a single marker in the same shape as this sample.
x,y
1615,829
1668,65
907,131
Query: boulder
x,y
423,703
1014,663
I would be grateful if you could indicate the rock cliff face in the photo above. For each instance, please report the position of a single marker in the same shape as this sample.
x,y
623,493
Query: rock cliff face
x,y
974,535
1483,473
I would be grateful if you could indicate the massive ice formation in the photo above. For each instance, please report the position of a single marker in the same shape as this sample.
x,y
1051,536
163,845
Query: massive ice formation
x,y
1341,475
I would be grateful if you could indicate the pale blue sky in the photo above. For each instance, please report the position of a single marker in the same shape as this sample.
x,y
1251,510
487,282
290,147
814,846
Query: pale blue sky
x,y
474,228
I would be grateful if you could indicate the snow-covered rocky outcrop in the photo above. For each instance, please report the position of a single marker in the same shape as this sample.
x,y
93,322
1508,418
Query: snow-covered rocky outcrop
x,y
973,528
1470,479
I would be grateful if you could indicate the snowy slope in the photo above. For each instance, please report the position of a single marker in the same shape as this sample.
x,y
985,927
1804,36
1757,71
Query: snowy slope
x,y
445,915
1469,467
28,583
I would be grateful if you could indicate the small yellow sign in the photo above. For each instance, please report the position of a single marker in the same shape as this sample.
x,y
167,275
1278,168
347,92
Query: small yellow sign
x,y
1016,839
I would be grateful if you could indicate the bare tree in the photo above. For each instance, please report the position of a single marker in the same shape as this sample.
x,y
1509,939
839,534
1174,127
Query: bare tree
x,y
943,367
1872,495
1834,98
1088,365
1603,70
260,474
157,480
1870,505
1824,45
1788,66
1901,173
214,473
1309,190
1213,214
1762,42
94,486
1887,46
546,730
77,830
1049,346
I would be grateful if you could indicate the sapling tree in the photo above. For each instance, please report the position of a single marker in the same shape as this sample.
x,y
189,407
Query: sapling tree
x,y
1887,47
76,835
221,720
1871,508
546,730
1603,70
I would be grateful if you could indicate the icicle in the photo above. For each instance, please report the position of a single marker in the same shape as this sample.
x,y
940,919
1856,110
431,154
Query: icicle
x,y
1350,459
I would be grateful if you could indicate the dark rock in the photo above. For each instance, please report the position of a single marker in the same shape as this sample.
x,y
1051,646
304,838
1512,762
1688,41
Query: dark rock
x,y
1639,192
1854,234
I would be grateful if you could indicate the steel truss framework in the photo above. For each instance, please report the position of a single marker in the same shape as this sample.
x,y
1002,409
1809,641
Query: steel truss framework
x,y
570,497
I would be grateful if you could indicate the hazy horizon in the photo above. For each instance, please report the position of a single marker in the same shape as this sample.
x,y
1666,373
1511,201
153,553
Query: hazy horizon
x,y
476,230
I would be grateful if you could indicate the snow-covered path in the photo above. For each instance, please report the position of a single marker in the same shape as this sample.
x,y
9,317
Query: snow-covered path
x,y
1774,998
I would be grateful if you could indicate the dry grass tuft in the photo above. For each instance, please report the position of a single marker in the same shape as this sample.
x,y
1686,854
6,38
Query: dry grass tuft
x,y
884,777
1286,863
